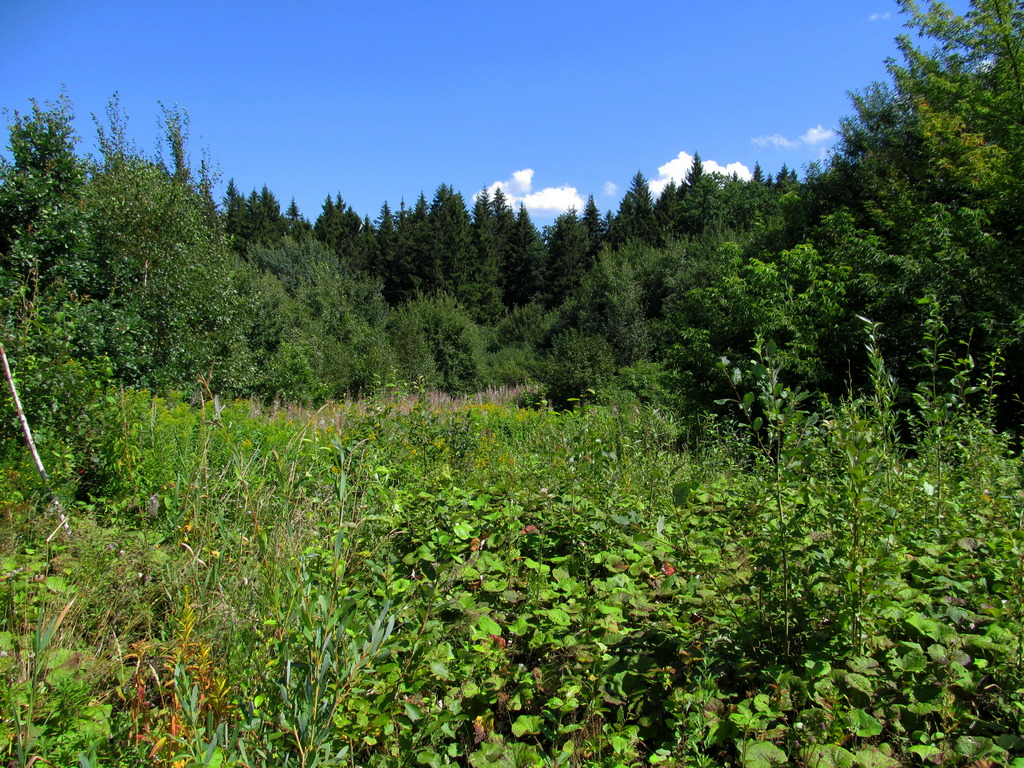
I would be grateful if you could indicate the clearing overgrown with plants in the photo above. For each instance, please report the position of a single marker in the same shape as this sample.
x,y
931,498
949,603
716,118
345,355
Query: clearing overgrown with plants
x,y
401,582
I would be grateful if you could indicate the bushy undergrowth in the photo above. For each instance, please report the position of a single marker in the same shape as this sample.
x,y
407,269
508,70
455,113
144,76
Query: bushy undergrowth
x,y
404,581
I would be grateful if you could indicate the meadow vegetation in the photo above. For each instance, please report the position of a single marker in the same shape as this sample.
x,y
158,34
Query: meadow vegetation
x,y
406,580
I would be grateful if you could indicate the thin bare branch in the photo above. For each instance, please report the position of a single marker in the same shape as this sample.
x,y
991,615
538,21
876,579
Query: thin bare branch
x,y
27,431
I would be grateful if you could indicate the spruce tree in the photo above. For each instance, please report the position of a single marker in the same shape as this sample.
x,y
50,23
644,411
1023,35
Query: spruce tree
x,y
405,279
597,231
665,211
504,221
695,173
525,271
483,228
338,227
449,265
700,210
568,258
298,226
635,221
236,217
381,261
260,222
482,293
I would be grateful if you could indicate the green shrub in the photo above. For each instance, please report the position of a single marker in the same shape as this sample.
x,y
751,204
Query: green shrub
x,y
577,367
436,341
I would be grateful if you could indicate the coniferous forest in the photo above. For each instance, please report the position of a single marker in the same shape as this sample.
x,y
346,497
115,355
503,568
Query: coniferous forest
x,y
730,475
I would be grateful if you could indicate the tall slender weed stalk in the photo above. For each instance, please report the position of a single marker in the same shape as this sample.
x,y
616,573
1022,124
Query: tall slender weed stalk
x,y
780,429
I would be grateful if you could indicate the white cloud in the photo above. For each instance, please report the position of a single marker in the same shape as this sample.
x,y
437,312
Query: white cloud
x,y
549,201
611,188
732,169
818,135
677,168
554,200
813,136
879,16
775,140
519,183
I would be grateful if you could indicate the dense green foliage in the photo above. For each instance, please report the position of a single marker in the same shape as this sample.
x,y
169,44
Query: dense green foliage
x,y
412,581
648,554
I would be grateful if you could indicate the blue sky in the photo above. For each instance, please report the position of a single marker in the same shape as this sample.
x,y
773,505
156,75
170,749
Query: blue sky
x,y
382,100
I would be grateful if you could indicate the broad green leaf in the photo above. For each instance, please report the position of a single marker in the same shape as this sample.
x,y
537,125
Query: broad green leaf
x,y
559,617
827,756
533,565
489,625
762,702
972,746
527,724
913,662
924,625
428,757
761,754
818,668
864,665
925,751
1008,741
863,724
521,625
858,682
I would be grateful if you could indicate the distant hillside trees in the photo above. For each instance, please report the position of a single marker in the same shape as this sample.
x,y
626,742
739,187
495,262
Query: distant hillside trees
x,y
125,262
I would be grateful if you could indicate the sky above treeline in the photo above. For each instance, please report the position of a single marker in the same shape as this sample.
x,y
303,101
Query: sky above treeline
x,y
376,101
